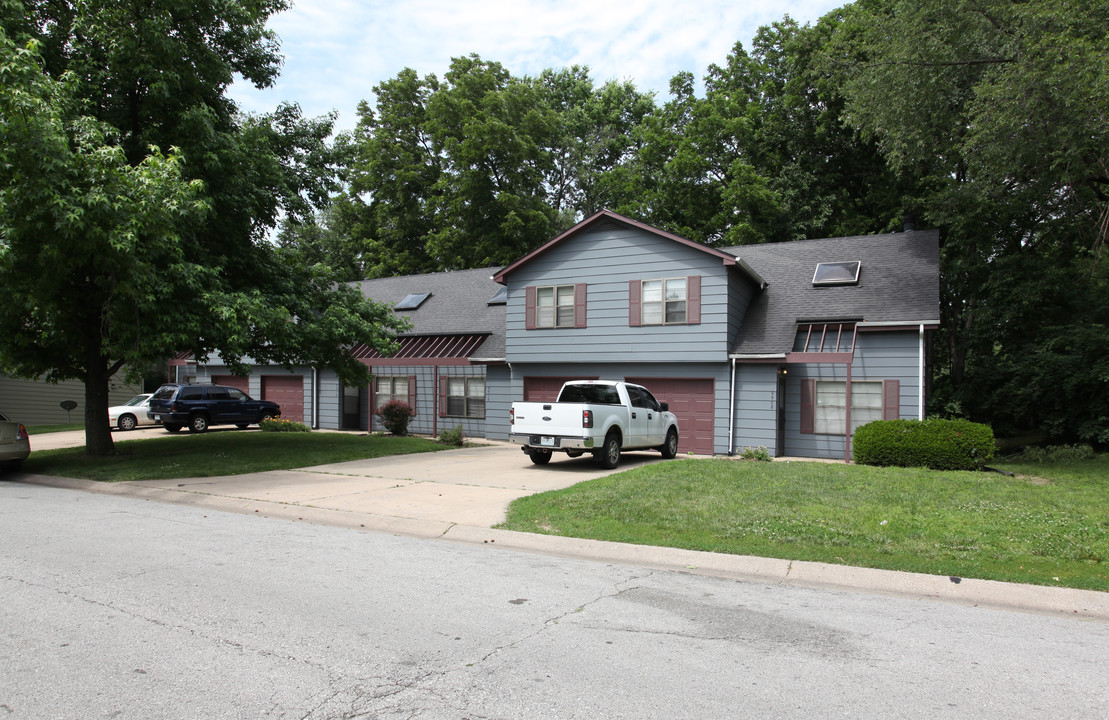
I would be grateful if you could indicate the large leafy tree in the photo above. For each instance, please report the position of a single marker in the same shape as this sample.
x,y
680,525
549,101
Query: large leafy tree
x,y
1001,109
115,254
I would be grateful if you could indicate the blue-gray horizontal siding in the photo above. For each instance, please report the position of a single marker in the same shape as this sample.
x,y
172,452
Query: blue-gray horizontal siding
x,y
756,408
498,427
607,260
878,356
205,373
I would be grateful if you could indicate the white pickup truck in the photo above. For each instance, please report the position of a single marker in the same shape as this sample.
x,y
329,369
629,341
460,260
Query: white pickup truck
x,y
601,417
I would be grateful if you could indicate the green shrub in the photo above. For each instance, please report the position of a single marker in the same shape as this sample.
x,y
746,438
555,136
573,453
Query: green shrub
x,y
936,444
759,454
452,436
279,425
395,416
1057,454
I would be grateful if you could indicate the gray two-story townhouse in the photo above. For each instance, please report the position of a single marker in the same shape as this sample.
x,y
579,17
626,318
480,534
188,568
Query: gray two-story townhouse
x,y
788,346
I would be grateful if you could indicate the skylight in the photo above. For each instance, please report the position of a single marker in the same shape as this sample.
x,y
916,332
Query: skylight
x,y
837,273
411,302
500,297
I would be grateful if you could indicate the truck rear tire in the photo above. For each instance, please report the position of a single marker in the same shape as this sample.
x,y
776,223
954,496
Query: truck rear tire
x,y
608,456
540,457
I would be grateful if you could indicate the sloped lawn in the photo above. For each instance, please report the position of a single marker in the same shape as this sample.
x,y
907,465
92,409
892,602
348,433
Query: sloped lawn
x,y
1049,525
224,452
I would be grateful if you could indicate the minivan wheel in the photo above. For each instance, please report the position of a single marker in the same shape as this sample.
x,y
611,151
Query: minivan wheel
x,y
198,423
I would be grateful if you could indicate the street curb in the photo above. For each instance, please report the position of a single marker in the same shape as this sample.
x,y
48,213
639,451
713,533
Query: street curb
x,y
1089,604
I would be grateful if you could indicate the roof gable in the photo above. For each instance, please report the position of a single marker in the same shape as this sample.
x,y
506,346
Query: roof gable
x,y
607,216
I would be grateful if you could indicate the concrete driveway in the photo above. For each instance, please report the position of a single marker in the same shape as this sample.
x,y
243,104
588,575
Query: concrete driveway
x,y
469,486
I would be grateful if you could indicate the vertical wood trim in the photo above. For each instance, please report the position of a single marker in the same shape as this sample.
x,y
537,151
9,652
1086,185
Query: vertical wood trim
x,y
529,308
443,390
635,298
693,300
808,406
891,399
579,305
412,394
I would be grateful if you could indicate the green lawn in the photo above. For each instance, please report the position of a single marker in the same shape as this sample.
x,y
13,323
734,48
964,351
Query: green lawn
x,y
1048,526
220,453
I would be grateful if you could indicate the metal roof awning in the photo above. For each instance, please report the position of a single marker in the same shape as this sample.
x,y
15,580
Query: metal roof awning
x,y
425,347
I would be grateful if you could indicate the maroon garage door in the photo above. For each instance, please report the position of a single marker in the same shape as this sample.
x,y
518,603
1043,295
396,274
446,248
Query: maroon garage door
x,y
234,381
692,401
545,389
288,392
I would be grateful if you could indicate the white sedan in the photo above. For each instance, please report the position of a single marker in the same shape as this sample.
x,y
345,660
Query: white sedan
x,y
132,414
15,446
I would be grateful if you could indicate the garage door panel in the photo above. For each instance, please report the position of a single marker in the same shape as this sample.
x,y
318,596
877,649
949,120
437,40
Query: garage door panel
x,y
693,401
288,392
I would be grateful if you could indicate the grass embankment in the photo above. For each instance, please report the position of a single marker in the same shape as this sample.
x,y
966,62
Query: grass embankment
x,y
220,453
1049,525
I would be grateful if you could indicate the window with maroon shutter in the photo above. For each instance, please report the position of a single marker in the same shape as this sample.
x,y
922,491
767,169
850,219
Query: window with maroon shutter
x,y
635,295
555,306
891,401
669,301
808,406
387,388
824,404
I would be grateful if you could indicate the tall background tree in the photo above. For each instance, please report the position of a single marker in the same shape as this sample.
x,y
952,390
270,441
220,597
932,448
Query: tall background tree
x,y
134,207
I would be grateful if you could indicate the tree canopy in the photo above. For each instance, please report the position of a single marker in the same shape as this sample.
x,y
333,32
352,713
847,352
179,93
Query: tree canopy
x,y
135,199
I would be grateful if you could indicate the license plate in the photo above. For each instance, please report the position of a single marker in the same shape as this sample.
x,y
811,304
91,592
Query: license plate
x,y
549,441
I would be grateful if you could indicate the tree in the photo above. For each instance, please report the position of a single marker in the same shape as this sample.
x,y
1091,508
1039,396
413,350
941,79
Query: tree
x,y
999,107
114,254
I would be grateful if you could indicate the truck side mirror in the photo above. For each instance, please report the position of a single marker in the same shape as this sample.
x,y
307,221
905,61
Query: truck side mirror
x,y
664,407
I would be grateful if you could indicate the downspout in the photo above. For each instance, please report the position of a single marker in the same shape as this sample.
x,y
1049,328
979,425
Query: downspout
x,y
847,414
920,377
731,412
435,404
315,399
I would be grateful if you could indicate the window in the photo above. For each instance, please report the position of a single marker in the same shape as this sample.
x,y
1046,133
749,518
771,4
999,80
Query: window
x,y
825,337
413,301
670,301
664,301
392,388
555,306
830,412
465,397
836,273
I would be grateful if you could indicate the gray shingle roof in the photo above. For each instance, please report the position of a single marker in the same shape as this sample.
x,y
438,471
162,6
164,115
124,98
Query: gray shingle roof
x,y
459,303
898,282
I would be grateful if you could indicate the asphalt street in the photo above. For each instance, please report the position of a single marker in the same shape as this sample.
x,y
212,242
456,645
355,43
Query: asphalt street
x,y
121,607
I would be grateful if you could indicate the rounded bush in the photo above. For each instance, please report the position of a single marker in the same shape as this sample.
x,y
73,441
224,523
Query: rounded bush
x,y
395,416
936,444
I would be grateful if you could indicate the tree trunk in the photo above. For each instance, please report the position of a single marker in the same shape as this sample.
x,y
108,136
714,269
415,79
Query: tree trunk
x,y
98,433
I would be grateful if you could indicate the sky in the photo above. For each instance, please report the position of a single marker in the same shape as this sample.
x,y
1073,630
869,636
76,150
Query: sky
x,y
336,51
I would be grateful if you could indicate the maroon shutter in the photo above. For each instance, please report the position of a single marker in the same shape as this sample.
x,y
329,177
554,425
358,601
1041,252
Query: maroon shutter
x,y
891,399
635,296
412,393
529,308
808,406
579,305
443,390
693,300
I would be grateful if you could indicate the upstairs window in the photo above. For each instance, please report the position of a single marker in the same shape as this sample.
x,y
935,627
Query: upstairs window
x,y
554,306
666,301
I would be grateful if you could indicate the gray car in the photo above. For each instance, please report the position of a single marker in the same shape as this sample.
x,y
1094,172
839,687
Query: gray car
x,y
15,443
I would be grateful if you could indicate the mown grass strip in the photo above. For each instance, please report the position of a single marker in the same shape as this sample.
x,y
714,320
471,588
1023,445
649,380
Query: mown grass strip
x,y
1049,525
220,453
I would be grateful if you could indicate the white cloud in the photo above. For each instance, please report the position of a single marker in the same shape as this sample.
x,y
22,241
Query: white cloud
x,y
336,51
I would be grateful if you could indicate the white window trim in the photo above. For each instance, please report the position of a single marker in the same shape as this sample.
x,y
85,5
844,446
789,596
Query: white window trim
x,y
555,307
644,303
466,397
820,423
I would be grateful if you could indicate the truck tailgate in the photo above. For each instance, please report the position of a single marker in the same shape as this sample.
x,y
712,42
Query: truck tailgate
x,y
535,418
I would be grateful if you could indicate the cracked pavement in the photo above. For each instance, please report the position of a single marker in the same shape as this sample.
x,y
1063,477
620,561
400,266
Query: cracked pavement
x,y
117,607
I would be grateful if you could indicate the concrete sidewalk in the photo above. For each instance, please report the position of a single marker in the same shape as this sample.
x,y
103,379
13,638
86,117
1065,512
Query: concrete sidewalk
x,y
458,495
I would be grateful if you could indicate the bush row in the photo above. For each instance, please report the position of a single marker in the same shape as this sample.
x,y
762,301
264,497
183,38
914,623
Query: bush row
x,y
936,444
